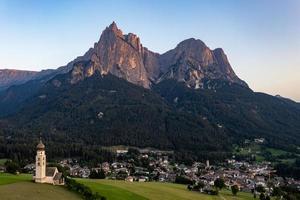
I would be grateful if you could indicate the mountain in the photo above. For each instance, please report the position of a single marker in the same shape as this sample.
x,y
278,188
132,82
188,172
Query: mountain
x,y
9,77
192,61
188,99
125,57
119,55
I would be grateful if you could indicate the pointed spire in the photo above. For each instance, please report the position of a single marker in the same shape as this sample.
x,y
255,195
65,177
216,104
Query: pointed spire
x,y
40,145
113,26
114,29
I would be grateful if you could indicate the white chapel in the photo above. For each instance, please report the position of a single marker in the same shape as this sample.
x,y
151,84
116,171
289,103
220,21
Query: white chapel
x,y
44,174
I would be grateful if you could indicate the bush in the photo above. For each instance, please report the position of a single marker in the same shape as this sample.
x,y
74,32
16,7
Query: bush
x,y
219,183
12,167
183,180
234,189
214,192
97,175
260,189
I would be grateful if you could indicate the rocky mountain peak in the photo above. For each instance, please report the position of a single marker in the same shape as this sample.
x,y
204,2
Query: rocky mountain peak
x,y
192,62
121,55
113,28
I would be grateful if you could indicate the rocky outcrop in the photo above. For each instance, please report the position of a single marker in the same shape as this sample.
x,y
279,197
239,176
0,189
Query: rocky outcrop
x,y
125,57
192,62
120,55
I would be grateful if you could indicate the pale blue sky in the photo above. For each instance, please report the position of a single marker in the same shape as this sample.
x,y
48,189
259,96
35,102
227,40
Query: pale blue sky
x,y
260,37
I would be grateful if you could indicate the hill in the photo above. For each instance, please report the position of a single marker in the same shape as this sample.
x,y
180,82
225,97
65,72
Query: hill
x,y
116,190
20,187
109,111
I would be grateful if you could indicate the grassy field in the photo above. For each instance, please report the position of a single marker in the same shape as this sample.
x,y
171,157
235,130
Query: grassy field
x,y
20,187
259,150
116,190
10,178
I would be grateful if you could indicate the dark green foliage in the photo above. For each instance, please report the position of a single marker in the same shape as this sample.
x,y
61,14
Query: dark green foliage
x,y
97,174
83,190
234,189
262,196
183,180
290,193
104,111
288,170
11,167
277,192
71,115
199,185
214,192
242,113
219,183
260,189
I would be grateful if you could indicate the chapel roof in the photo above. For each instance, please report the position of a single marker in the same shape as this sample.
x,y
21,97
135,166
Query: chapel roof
x,y
57,176
40,145
50,171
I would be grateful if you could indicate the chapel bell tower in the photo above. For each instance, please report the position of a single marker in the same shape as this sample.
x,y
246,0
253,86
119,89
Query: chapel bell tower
x,y
40,163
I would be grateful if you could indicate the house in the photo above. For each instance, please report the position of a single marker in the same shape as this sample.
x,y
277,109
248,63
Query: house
x,y
129,179
2,169
44,174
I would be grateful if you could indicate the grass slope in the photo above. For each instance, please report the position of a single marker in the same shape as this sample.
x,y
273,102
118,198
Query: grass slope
x,y
10,178
116,190
20,187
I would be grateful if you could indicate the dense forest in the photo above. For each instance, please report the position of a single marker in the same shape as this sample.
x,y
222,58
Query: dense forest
x,y
76,120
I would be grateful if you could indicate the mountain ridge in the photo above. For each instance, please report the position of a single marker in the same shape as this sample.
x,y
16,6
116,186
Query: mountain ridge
x,y
188,99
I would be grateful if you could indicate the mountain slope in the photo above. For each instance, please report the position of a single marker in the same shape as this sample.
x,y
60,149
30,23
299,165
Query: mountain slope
x,y
9,77
244,113
188,99
110,111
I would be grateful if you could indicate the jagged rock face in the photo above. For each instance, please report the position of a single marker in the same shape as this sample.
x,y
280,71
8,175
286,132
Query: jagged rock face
x,y
192,62
10,77
120,55
125,57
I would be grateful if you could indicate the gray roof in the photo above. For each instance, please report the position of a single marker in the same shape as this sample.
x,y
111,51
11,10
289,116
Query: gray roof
x,y
50,171
57,176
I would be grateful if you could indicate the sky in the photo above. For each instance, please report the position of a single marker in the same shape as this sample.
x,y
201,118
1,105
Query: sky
x,y
260,37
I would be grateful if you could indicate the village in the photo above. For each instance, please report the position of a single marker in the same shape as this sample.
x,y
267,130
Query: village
x,y
152,165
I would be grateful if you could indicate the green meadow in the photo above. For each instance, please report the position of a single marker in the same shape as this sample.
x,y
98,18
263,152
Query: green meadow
x,y
21,187
121,190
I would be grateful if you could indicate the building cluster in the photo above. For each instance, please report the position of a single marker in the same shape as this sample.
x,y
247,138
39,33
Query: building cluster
x,y
158,166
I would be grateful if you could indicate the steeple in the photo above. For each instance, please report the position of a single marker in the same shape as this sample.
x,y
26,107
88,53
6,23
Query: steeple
x,y
40,163
40,145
